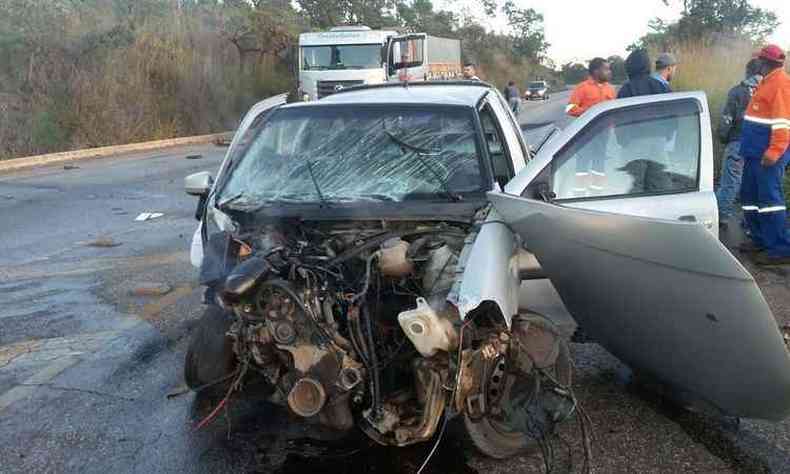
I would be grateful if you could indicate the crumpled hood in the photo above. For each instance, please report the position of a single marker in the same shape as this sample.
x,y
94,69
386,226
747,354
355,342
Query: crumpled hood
x,y
637,64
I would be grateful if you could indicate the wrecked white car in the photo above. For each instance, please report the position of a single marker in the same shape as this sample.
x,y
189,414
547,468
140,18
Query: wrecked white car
x,y
366,255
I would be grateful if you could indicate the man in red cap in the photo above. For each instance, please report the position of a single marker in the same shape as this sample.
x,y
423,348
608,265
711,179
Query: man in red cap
x,y
765,141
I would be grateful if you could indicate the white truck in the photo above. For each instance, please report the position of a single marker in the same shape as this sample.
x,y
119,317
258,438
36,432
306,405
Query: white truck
x,y
348,56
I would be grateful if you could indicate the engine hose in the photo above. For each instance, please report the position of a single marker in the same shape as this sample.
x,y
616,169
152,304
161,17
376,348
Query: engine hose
x,y
374,363
381,238
368,266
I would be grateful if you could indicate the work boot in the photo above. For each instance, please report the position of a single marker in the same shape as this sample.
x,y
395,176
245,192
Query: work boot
x,y
766,260
749,247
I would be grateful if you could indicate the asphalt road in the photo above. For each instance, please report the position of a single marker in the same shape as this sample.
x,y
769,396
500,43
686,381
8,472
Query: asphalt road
x,y
87,363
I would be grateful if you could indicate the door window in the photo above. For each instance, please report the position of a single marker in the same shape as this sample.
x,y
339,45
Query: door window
x,y
634,151
511,130
408,51
496,146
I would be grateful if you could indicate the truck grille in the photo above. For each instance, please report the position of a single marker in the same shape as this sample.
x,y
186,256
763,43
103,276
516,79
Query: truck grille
x,y
326,88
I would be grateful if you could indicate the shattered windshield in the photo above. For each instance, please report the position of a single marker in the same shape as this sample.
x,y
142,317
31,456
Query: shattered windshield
x,y
350,153
352,56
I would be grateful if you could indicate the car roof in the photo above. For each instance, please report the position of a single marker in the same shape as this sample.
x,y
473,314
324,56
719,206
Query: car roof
x,y
459,93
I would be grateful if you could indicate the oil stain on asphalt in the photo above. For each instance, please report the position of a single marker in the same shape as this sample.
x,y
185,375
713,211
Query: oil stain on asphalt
x,y
278,444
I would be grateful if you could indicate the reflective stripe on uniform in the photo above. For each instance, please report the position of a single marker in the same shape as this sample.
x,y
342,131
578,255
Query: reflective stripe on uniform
x,y
766,121
780,126
570,107
771,209
750,208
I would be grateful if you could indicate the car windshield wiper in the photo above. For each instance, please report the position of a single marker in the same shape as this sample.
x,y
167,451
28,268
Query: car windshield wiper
x,y
324,202
239,201
421,153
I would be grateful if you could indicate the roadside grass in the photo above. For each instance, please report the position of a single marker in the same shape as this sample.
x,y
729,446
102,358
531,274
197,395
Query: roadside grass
x,y
713,66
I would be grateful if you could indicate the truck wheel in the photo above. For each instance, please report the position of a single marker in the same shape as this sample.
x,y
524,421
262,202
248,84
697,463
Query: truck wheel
x,y
210,353
495,438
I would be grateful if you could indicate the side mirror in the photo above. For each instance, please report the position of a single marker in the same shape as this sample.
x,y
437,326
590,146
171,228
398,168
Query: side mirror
x,y
198,184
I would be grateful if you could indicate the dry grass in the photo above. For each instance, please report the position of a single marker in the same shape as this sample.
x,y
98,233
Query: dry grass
x,y
171,75
713,66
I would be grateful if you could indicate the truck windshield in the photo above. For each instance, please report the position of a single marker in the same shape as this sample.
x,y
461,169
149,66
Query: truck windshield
x,y
342,153
537,85
352,56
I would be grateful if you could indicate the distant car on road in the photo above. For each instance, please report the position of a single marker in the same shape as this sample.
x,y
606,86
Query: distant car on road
x,y
537,90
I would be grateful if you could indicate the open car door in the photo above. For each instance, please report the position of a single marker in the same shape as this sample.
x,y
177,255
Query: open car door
x,y
652,285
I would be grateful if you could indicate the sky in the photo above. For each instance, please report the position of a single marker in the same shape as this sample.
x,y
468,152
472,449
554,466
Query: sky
x,y
579,30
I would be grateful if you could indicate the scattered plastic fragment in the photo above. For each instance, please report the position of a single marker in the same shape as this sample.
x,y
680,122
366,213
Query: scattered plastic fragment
x,y
145,216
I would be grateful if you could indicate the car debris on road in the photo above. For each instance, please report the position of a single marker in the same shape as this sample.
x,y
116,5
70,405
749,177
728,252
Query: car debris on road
x,y
145,216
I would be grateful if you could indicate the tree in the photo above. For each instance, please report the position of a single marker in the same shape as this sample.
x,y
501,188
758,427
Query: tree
x,y
257,29
419,16
573,73
618,69
323,14
701,19
529,39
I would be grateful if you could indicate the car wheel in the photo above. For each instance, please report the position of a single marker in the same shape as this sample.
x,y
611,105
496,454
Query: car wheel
x,y
494,437
210,354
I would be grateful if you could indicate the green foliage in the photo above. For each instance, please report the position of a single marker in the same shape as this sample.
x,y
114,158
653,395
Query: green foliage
x,y
619,75
77,73
323,14
704,19
574,73
528,36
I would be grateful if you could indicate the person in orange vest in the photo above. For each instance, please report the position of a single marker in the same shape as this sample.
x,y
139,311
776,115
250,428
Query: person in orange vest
x,y
765,146
592,91
590,179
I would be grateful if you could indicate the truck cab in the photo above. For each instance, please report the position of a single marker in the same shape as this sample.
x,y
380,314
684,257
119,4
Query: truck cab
x,y
348,56
330,61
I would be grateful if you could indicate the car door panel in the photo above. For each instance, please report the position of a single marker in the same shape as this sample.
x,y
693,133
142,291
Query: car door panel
x,y
666,298
669,205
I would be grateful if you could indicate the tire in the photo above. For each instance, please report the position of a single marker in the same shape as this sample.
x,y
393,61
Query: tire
x,y
210,352
495,440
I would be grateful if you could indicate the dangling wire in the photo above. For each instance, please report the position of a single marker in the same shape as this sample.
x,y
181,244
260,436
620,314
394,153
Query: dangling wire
x,y
452,397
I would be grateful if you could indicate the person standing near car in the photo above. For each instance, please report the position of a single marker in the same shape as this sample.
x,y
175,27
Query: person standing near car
x,y
594,90
470,72
646,146
729,131
590,179
666,66
640,82
765,139
513,96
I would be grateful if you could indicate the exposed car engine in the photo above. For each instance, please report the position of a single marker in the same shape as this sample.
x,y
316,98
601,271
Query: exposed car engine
x,y
351,324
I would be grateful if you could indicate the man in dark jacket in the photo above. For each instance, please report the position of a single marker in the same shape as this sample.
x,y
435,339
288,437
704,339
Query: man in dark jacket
x,y
637,66
729,131
645,145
